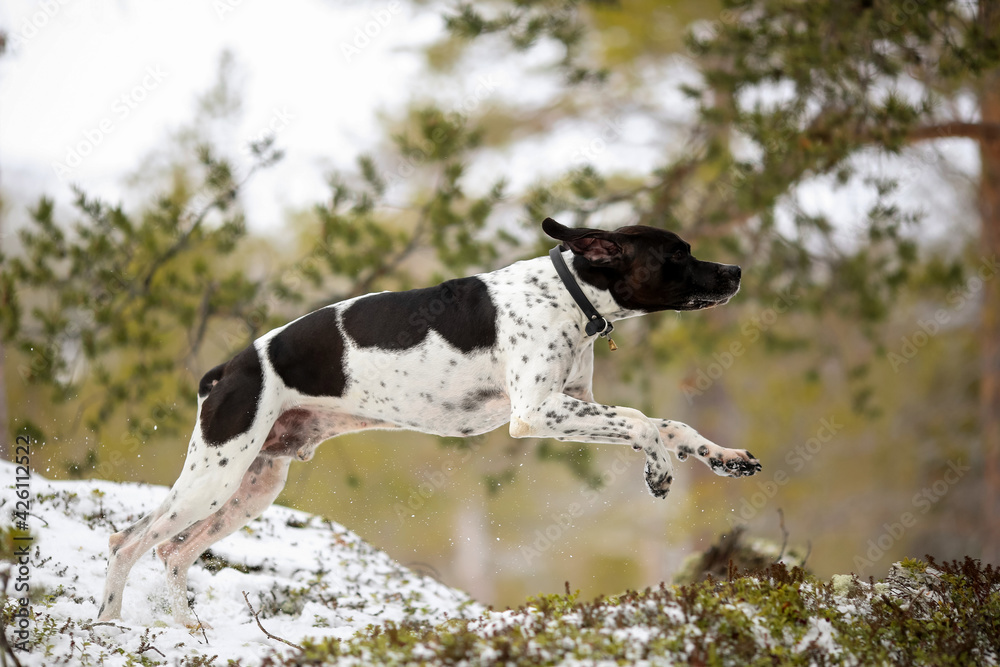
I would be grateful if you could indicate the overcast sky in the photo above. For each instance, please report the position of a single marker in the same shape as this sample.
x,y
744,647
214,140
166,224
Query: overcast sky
x,y
90,87
113,79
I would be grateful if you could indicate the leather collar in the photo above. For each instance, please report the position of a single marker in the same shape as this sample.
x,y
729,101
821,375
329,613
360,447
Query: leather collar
x,y
597,324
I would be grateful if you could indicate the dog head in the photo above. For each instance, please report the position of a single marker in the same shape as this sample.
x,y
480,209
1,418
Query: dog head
x,y
646,269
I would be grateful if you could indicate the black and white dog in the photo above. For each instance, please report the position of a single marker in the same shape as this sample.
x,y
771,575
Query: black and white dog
x,y
465,357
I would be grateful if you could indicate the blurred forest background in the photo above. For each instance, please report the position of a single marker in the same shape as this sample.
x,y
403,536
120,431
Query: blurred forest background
x,y
847,155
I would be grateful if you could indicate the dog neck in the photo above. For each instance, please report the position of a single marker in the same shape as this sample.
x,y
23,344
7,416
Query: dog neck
x,y
595,288
597,324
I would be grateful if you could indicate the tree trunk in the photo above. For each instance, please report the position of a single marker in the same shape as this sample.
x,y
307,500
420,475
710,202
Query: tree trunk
x,y
989,388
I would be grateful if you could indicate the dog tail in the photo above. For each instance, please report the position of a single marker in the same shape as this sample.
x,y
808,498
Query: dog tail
x,y
209,379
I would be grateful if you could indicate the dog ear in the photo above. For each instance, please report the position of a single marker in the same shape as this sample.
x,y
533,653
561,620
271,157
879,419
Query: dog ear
x,y
555,230
594,245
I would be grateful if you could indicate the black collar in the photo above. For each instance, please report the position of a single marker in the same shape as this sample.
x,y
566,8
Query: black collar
x,y
597,324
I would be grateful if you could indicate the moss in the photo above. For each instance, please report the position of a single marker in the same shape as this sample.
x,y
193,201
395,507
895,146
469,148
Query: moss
x,y
922,613
214,563
942,614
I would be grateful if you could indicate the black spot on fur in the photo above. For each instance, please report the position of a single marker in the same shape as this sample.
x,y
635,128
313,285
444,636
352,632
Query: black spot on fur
x,y
223,463
460,310
475,400
703,450
231,405
308,355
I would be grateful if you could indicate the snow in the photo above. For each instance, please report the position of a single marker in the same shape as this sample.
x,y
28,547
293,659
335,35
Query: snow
x,y
308,577
820,634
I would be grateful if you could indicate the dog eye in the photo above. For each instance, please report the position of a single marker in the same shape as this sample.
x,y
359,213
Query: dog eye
x,y
680,254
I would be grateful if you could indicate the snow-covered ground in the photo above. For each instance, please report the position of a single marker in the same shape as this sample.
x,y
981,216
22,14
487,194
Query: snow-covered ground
x,y
305,576
313,582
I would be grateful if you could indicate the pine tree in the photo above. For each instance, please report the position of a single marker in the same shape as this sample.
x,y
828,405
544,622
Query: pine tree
x,y
808,87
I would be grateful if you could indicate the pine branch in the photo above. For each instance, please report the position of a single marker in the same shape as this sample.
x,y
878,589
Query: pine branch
x,y
977,131
364,285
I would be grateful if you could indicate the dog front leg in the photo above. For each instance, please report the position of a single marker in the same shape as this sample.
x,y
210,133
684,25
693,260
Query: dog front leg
x,y
564,417
684,441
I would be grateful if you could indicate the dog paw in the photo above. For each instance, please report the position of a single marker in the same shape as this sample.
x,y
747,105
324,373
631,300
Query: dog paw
x,y
734,463
658,480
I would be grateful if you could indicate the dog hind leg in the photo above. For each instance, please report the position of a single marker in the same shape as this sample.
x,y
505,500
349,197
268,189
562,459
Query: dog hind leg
x,y
192,498
262,483
212,473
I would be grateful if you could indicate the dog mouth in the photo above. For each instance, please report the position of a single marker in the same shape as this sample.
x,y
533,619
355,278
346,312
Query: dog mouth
x,y
701,303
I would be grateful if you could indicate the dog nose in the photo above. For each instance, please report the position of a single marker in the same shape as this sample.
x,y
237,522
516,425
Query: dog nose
x,y
734,271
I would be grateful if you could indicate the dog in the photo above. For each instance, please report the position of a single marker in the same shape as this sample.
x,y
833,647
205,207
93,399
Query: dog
x,y
514,346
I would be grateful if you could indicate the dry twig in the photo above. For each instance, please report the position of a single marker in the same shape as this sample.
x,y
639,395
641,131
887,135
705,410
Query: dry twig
x,y
146,645
201,626
784,535
270,636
